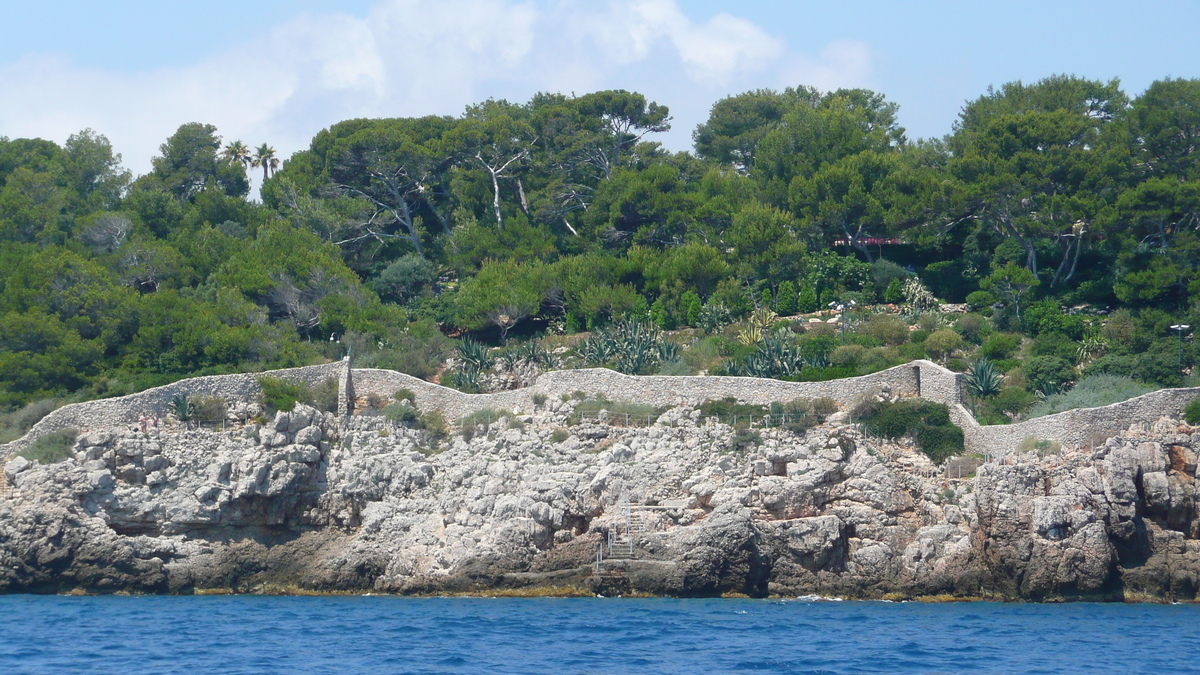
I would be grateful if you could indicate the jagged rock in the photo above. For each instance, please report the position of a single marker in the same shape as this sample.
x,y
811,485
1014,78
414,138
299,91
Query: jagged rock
x,y
364,505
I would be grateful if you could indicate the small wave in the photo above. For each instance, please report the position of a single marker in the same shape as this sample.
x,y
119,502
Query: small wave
x,y
818,598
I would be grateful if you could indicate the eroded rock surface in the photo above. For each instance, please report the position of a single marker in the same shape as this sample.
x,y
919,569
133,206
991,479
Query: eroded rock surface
x,y
308,502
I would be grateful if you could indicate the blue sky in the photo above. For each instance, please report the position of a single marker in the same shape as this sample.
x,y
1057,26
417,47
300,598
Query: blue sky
x,y
278,71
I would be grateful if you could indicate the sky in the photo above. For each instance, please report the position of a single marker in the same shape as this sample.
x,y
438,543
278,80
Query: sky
x,y
279,71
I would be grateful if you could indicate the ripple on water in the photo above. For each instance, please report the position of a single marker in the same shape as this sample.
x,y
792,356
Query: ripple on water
x,y
463,635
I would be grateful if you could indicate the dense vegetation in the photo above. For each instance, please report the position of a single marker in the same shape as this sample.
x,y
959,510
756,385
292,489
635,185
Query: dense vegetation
x,y
1065,214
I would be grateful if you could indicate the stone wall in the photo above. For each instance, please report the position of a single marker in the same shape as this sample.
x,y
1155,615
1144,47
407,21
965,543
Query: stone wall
x,y
125,410
1080,427
919,378
649,390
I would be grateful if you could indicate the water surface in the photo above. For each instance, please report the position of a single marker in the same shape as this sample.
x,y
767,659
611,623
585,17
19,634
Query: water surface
x,y
246,634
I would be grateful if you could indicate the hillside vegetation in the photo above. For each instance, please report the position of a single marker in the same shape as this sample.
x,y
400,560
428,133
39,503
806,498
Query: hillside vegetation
x,y
1064,214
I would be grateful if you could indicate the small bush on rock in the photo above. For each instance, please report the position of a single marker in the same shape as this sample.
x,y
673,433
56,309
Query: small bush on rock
x,y
208,409
280,394
52,447
400,413
1192,412
926,422
324,396
728,409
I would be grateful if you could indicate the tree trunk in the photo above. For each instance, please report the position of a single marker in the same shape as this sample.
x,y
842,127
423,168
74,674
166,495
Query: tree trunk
x,y
524,200
496,200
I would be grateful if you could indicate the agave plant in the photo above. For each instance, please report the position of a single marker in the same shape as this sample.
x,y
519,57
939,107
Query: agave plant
x,y
183,408
1092,348
475,354
777,356
981,379
629,346
467,379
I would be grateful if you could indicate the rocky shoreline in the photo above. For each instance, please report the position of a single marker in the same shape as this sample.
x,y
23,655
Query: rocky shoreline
x,y
311,503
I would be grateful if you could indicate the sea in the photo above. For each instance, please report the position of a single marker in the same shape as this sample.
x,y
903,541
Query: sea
x,y
253,634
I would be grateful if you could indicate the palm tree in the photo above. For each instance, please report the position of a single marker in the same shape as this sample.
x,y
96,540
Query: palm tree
x,y
265,157
236,153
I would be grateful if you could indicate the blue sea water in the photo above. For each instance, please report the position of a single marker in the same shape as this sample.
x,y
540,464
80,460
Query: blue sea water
x,y
245,634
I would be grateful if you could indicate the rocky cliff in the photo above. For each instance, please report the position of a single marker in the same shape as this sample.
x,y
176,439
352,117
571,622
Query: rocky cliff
x,y
307,502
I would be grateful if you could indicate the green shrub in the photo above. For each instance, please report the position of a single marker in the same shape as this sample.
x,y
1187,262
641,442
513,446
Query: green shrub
x,y
324,396
182,408
823,407
401,413
1042,447
928,423
405,394
637,414
887,328
785,302
999,345
208,409
479,420
1191,414
982,379
435,423
559,435
1048,374
539,399
52,447
728,408
980,300
743,436
806,300
1091,392
280,394
846,355
894,293
15,424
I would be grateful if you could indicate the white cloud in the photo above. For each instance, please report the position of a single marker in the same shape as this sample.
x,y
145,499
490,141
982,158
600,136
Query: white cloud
x,y
411,57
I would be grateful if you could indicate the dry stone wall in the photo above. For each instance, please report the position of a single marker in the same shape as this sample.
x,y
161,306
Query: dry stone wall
x,y
125,410
920,378
648,390
1080,427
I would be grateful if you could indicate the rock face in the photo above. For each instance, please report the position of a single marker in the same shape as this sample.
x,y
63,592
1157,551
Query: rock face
x,y
305,502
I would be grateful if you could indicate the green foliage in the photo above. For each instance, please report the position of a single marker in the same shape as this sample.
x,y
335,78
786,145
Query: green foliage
x,y
515,218
401,413
183,408
1048,375
1091,392
727,409
940,344
980,300
1191,412
622,413
786,299
806,301
630,347
894,294
981,379
13,425
926,422
279,394
207,409
692,308
52,447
